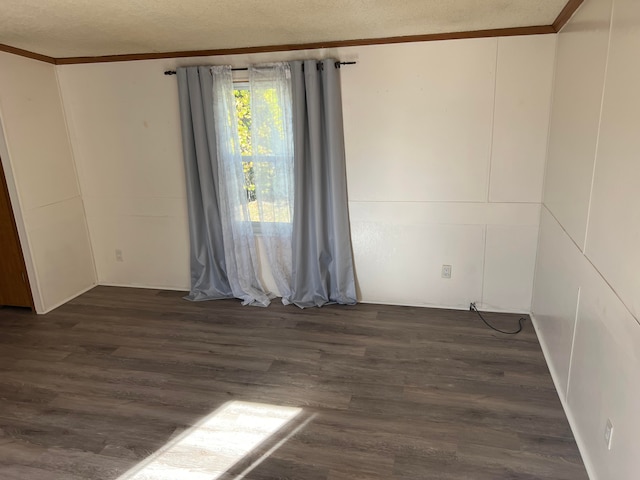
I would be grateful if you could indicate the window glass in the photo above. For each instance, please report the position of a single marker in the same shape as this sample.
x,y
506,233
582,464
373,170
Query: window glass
x,y
261,164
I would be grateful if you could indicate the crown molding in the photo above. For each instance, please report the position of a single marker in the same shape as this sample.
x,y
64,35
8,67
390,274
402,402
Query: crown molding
x,y
564,16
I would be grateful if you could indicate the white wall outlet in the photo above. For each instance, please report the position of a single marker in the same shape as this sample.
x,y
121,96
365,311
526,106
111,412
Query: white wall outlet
x,y
446,271
119,255
608,434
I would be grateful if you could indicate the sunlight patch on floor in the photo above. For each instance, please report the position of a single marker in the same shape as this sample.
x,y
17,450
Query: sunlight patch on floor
x,y
207,450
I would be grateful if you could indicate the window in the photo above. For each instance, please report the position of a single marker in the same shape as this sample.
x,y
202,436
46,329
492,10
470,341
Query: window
x,y
242,94
266,164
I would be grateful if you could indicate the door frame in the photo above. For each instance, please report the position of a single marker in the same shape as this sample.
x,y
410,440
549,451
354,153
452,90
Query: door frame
x,y
18,219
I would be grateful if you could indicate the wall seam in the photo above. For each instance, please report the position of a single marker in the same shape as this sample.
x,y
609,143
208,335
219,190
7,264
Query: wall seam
x,y
546,167
74,162
493,121
573,343
588,260
595,160
484,264
485,226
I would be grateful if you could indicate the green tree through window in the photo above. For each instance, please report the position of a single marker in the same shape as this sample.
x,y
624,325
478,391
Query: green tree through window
x,y
276,211
243,112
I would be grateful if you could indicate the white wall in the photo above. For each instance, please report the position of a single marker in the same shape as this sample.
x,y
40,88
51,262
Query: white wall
x,y
587,288
43,184
445,156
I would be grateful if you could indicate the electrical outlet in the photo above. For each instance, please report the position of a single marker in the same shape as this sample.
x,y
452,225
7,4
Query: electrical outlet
x,y
119,255
608,434
446,271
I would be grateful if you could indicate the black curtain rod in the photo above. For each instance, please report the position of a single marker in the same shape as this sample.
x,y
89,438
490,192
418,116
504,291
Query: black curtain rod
x,y
337,64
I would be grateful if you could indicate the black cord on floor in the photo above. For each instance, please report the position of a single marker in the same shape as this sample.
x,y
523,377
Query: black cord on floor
x,y
473,308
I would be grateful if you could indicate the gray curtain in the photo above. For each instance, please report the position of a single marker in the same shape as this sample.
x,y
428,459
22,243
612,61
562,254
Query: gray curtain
x,y
208,269
322,263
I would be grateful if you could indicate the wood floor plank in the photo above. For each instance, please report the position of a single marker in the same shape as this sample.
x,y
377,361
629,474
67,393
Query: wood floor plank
x,y
98,385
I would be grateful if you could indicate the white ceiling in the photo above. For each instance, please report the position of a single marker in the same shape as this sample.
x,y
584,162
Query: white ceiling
x,y
69,28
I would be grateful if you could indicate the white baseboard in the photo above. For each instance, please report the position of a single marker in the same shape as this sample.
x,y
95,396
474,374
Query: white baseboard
x,y
588,464
480,307
150,287
59,304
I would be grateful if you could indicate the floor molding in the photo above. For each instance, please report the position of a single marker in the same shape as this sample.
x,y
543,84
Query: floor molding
x,y
565,405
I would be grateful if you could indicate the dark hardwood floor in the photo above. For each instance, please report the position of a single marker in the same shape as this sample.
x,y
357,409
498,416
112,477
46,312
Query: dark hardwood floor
x,y
91,389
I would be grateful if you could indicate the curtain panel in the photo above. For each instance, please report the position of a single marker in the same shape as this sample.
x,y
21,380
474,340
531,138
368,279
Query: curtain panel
x,y
323,269
223,258
299,171
200,152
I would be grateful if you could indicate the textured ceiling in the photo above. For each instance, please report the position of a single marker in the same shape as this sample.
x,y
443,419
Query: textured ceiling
x,y
69,28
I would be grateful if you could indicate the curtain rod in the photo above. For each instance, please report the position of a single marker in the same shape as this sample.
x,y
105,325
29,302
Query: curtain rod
x,y
337,64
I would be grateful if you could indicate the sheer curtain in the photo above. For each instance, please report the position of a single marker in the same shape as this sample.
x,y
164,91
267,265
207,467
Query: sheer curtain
x,y
272,144
237,232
